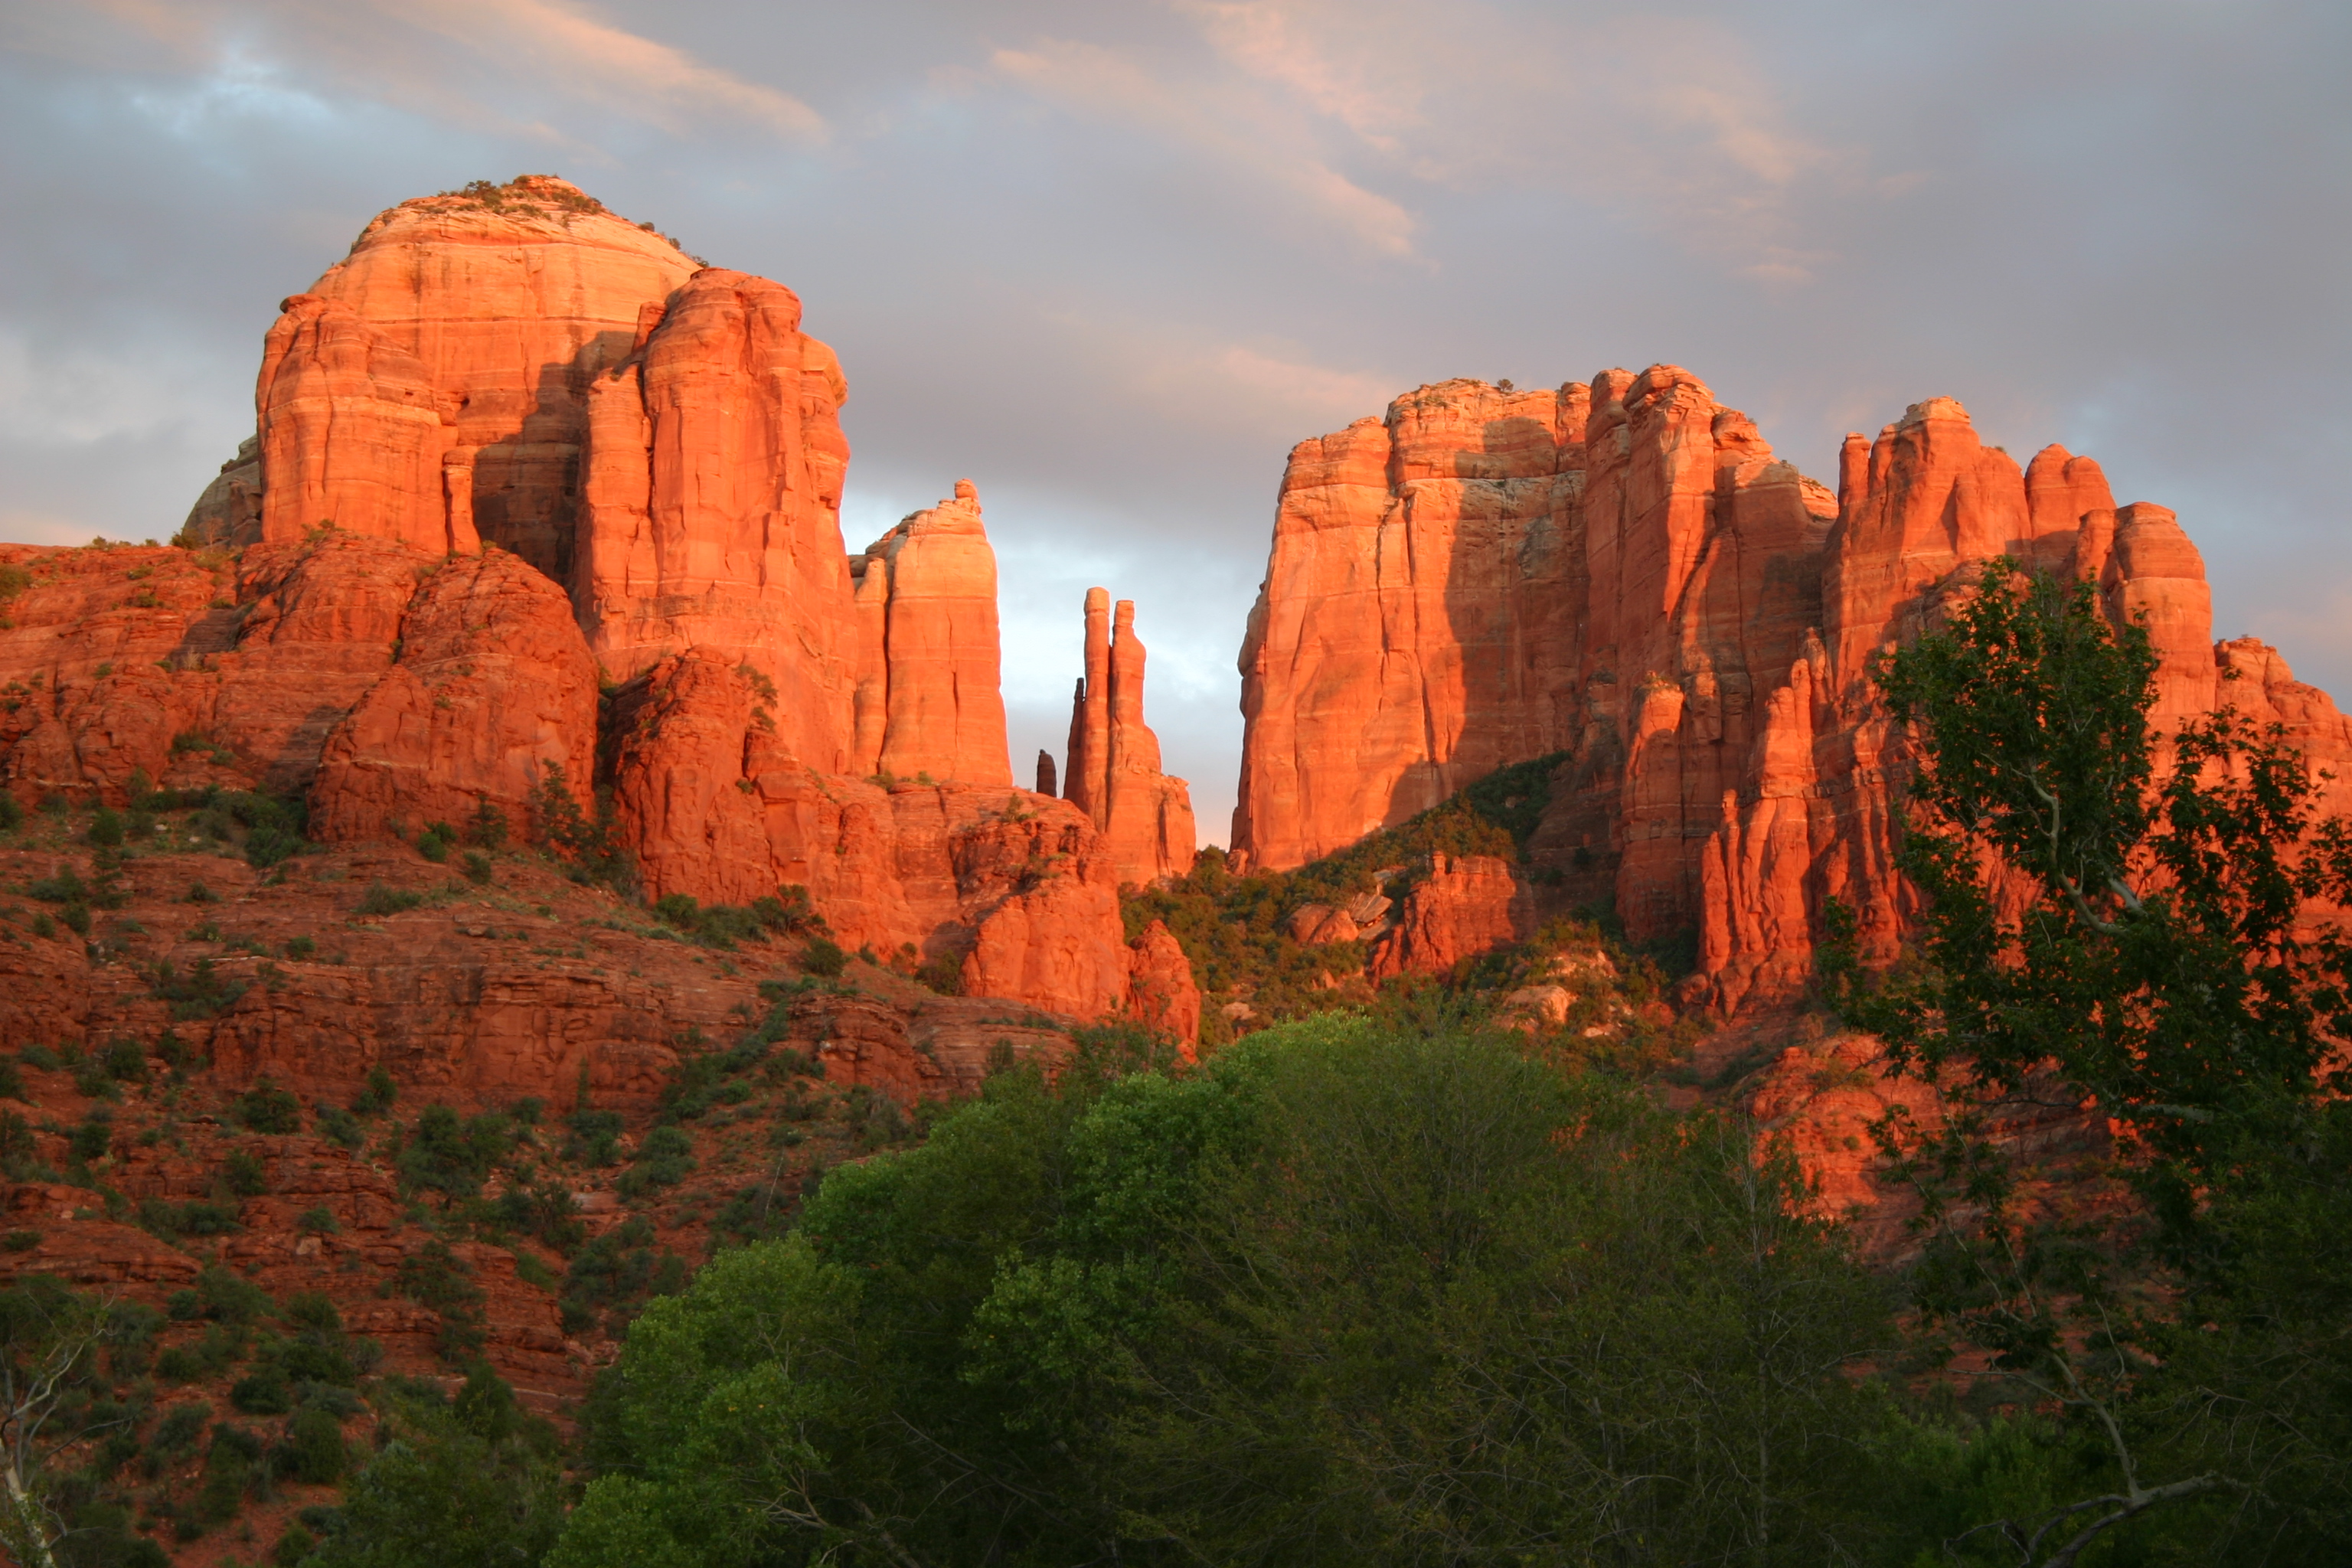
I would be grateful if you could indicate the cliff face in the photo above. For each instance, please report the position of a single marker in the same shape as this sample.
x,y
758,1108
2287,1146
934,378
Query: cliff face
x,y
930,697
711,504
1623,571
500,306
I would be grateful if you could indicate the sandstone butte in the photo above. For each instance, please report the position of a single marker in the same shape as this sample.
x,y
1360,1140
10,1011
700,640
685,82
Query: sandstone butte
x,y
1624,573
513,449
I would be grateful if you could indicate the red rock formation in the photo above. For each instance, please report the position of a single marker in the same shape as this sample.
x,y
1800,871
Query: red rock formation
x,y
505,304
1459,906
1624,573
1018,886
494,682
351,434
929,694
1114,774
109,656
711,507
1160,987
228,513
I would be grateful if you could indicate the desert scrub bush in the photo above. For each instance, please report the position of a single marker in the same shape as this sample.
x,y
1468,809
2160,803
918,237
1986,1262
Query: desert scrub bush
x,y
202,993
266,1108
382,899
665,1158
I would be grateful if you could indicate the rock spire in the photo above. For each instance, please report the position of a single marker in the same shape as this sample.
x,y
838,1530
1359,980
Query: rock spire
x,y
1113,772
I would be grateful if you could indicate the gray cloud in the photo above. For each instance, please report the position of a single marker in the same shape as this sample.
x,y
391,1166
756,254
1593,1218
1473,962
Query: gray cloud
x,y
1110,262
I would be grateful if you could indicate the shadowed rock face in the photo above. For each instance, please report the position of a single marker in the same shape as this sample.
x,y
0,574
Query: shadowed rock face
x,y
1623,571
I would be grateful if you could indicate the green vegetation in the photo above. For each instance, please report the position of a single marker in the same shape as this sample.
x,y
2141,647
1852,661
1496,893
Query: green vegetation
x,y
1337,1297
1232,927
588,846
2110,926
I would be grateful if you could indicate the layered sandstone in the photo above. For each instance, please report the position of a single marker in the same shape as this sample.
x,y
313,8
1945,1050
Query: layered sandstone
x,y
710,505
931,700
1624,573
1018,888
192,670
498,307
1113,773
633,465
1458,907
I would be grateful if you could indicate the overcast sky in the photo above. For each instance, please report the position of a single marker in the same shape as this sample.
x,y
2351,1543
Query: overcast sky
x,y
1110,259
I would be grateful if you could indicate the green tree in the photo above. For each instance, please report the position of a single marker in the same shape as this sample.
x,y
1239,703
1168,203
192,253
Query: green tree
x,y
49,1337
2119,917
472,1484
1343,1294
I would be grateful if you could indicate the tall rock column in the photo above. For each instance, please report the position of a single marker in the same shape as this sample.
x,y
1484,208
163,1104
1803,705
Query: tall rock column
x,y
710,511
930,698
1145,816
352,432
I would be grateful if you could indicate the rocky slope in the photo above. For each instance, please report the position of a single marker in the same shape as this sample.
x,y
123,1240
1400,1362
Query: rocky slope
x,y
1622,573
480,1107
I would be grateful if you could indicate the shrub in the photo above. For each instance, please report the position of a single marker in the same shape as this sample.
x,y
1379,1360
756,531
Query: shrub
x,y
194,1218
453,1157
822,957
65,887
262,1393
297,1543
546,1211
378,1094
126,1062
12,814
91,1140
477,868
301,947
314,1451
245,1175
665,1159
435,841
382,899
266,1108
595,1137
105,830
12,1080
340,1127
486,828
317,1221
590,846
202,993
199,894
20,1241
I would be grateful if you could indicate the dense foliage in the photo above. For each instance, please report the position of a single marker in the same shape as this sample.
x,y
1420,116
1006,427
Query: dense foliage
x,y
1345,1295
2132,921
